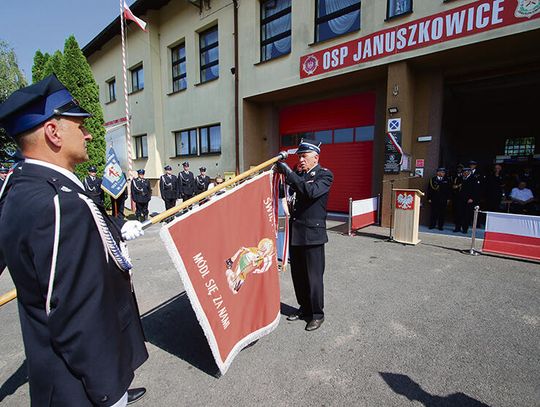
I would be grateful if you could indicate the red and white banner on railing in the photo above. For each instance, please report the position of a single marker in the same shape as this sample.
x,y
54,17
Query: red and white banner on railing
x,y
363,213
514,235
225,252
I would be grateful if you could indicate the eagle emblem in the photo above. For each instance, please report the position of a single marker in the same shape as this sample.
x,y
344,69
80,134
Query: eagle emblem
x,y
405,201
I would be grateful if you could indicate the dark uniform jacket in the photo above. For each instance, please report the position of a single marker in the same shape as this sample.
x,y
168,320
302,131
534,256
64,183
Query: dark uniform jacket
x,y
308,211
140,190
93,189
439,190
202,183
186,184
168,186
85,350
470,189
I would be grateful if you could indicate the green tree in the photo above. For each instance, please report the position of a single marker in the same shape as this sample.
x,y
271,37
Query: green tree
x,y
11,79
38,69
78,78
53,65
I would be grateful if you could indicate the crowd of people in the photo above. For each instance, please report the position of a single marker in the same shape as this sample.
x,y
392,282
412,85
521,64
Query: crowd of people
x,y
468,187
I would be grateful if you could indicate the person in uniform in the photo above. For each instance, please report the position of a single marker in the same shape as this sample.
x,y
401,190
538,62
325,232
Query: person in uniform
x,y
92,186
81,327
308,188
495,185
186,183
3,175
438,195
468,197
141,193
202,181
168,187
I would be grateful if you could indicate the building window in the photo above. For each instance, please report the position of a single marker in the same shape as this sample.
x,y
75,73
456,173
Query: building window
x,y
275,28
141,146
186,142
111,86
209,52
336,17
178,55
210,139
398,7
331,136
137,78
519,146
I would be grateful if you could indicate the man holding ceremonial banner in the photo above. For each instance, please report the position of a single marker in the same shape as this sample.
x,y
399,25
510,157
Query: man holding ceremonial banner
x,y
309,186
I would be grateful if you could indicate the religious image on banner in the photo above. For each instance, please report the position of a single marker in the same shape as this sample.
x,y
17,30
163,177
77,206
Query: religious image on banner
x,y
225,253
114,180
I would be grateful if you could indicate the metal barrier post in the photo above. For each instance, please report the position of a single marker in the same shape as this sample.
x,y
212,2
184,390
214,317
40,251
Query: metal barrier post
x,y
350,216
473,237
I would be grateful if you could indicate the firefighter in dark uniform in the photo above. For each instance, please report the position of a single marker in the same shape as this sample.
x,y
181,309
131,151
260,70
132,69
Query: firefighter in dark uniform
x,y
202,181
495,185
81,328
92,186
186,183
308,188
141,193
3,175
168,187
438,195
468,197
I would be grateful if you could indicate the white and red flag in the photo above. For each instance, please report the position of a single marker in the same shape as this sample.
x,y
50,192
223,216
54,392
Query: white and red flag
x,y
363,213
128,15
225,253
514,235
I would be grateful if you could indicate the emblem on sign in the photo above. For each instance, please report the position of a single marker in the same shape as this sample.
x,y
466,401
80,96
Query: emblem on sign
x,y
404,200
310,65
394,125
527,8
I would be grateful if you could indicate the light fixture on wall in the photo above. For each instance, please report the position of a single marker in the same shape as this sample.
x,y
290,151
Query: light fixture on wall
x,y
395,90
393,110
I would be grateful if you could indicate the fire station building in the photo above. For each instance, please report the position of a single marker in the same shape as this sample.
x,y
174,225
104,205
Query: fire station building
x,y
227,84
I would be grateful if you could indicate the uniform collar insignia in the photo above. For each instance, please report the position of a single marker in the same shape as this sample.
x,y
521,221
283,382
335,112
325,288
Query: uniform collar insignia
x,y
65,189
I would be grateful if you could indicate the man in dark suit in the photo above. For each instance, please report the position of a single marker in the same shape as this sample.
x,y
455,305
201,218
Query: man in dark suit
x,y
80,324
141,193
168,187
202,181
92,186
309,186
186,183
438,195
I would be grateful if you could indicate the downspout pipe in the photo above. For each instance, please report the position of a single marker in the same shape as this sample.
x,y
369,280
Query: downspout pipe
x,y
236,91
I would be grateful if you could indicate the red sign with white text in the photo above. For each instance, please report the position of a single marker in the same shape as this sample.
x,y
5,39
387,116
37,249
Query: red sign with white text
x,y
225,252
459,22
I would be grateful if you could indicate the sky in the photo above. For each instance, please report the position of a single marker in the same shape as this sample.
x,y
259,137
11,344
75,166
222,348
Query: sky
x,y
29,25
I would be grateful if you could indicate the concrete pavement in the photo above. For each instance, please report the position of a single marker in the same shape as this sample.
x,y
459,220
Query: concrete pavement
x,y
405,326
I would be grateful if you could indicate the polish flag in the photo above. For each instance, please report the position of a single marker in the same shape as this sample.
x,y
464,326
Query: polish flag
x,y
363,213
513,235
128,15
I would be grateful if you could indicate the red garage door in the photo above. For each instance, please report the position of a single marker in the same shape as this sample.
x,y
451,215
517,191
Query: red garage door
x,y
345,126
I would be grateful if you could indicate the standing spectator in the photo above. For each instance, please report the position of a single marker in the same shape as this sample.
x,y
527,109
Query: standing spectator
x,y
310,185
467,199
141,193
202,180
438,195
494,189
186,183
168,187
92,186
117,205
79,320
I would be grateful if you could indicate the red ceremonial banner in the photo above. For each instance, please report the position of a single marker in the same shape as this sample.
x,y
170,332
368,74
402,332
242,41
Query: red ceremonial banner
x,y
225,252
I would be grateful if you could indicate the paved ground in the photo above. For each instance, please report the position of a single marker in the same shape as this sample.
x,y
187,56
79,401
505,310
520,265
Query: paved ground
x,y
406,326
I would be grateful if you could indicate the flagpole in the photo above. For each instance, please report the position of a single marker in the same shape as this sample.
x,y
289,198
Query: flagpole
x,y
7,297
126,103
170,212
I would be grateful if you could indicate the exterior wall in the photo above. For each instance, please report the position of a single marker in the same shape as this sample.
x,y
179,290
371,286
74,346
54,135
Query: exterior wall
x,y
266,87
